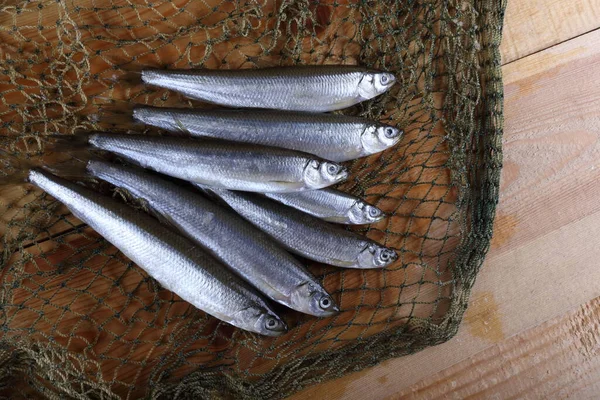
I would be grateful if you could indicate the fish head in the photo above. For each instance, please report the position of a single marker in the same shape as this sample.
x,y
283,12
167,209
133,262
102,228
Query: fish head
x,y
363,213
260,320
312,299
376,138
319,174
376,256
375,83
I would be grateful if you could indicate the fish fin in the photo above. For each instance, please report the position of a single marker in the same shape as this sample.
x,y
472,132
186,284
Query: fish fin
x,y
67,143
116,115
181,127
74,145
164,218
288,185
212,193
132,77
336,220
73,168
14,170
206,190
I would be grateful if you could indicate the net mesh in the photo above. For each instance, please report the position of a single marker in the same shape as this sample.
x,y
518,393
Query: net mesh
x,y
80,320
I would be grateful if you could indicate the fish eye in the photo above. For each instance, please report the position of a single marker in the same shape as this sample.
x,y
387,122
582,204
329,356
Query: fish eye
x,y
389,132
384,79
271,323
374,212
325,302
332,169
387,255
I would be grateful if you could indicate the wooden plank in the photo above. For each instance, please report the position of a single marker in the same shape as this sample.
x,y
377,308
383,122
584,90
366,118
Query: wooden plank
x,y
556,359
552,146
542,234
512,294
534,25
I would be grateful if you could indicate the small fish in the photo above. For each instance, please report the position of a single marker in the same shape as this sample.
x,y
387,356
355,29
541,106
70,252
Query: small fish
x,y
332,137
306,235
309,88
229,238
218,163
331,205
171,259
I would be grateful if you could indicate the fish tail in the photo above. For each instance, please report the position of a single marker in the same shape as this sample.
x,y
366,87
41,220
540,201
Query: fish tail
x,y
130,77
117,115
150,76
67,143
14,170
76,146
75,167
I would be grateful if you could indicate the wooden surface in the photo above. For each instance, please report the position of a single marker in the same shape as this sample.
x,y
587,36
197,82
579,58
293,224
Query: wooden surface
x,y
531,330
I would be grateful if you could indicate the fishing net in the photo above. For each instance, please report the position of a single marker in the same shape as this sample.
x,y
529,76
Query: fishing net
x,y
80,320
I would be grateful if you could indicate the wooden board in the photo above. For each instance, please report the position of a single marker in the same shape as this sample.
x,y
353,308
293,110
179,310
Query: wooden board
x,y
551,105
534,25
557,359
547,219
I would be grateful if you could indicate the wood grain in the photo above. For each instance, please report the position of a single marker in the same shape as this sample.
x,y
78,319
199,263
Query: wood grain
x,y
517,290
534,25
552,157
557,359
548,217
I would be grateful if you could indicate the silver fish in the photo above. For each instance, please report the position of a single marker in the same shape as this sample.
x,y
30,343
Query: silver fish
x,y
169,258
224,164
310,88
228,237
332,137
331,205
306,235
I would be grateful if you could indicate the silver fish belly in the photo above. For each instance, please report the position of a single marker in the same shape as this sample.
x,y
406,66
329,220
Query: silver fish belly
x,y
224,164
332,137
229,238
310,88
169,258
331,205
306,235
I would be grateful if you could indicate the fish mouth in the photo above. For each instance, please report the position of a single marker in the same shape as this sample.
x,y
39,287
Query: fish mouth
x,y
330,312
398,137
377,219
391,80
342,175
273,333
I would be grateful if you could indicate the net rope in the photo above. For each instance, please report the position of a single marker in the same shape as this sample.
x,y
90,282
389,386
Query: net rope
x,y
79,320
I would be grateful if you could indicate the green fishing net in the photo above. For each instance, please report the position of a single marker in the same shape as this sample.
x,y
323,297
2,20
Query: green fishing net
x,y
79,320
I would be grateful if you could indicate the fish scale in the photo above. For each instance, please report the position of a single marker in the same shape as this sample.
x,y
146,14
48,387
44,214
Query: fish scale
x,y
224,164
331,205
332,137
228,237
169,258
306,235
308,88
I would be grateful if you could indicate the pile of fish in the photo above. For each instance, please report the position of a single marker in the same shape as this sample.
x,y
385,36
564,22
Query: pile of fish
x,y
261,192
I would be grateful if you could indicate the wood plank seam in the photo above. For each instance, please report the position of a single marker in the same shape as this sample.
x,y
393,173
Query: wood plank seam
x,y
549,47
